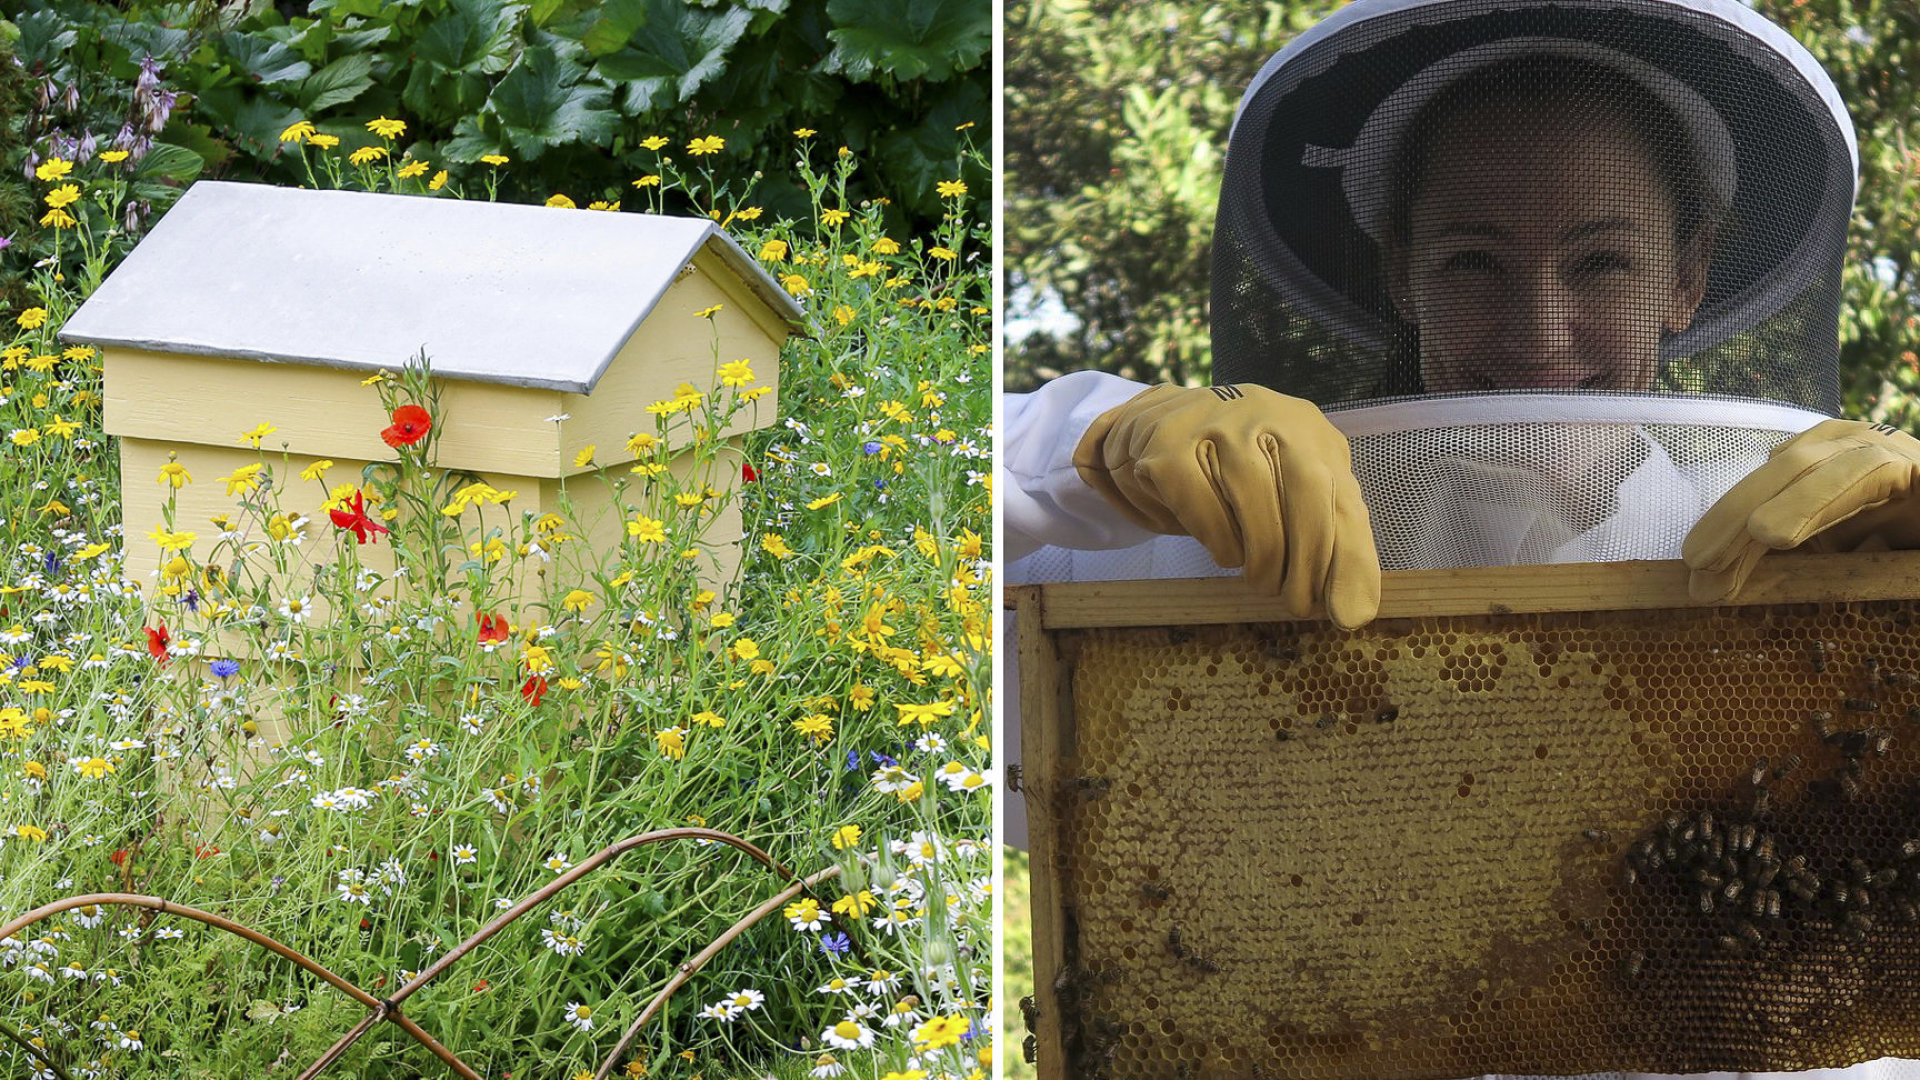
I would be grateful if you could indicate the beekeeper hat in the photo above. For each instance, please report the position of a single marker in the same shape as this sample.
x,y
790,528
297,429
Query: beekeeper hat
x,y
1299,297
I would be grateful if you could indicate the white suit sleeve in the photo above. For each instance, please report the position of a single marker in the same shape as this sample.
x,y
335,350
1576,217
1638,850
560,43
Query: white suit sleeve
x,y
1044,502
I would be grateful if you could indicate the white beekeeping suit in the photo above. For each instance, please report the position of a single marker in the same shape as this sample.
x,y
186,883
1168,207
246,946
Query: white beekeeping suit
x,y
1531,283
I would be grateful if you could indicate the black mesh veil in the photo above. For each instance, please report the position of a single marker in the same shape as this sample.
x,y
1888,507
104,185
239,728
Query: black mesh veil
x,y
1302,294
1562,273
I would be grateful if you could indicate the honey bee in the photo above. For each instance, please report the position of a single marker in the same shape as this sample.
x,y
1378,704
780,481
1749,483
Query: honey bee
x,y
1597,836
1093,786
1787,767
1283,735
1387,714
1822,723
1854,704
1156,890
1819,656
1759,774
1636,962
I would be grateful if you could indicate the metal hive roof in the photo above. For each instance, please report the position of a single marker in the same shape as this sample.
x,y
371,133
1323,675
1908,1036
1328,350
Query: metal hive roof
x,y
495,292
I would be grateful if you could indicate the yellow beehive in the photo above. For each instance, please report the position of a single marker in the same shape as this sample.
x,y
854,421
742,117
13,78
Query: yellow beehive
x,y
546,330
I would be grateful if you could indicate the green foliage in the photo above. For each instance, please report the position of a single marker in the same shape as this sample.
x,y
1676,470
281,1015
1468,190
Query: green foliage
x,y
17,196
1117,116
1017,931
568,89
1868,47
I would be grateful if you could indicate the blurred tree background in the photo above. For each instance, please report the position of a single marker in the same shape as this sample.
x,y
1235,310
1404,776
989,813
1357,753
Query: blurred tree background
x,y
1116,123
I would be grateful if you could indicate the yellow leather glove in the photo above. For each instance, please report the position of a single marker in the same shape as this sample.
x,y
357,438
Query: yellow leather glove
x,y
1262,480
1842,485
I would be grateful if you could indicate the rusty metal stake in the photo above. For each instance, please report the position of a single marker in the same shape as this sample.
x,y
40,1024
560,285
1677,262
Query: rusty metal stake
x,y
389,1009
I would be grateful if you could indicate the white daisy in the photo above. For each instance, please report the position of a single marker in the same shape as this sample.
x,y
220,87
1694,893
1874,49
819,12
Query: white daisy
x,y
580,1016
847,1035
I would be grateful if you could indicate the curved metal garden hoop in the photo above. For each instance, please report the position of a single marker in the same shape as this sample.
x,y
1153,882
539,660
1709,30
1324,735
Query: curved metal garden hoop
x,y
389,1008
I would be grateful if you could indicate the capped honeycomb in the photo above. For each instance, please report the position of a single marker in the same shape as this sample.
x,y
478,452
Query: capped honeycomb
x,y
1673,841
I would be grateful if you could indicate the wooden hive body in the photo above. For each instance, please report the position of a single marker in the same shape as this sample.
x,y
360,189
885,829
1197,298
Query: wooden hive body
x,y
250,304
1264,847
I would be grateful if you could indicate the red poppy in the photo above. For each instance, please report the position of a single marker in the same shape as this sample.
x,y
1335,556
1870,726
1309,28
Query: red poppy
x,y
493,629
481,985
410,424
119,857
157,642
356,519
748,474
533,690
206,851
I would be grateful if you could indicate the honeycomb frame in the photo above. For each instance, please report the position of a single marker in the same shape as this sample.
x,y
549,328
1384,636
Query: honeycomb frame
x,y
1360,854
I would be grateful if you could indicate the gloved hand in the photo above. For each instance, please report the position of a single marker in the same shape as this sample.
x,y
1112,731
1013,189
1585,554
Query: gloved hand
x,y
1842,485
1262,480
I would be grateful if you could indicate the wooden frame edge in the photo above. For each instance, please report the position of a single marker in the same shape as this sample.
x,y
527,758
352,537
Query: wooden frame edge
x,y
1041,740
1786,578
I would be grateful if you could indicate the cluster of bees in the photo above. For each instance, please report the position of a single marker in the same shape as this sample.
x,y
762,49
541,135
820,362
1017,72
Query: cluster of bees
x,y
1091,1040
1736,872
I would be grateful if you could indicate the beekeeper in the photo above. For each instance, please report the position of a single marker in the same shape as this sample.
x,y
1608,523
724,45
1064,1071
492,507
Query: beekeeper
x,y
1491,285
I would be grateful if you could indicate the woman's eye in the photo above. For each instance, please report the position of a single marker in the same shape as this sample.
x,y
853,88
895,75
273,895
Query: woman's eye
x,y
1603,262
1470,260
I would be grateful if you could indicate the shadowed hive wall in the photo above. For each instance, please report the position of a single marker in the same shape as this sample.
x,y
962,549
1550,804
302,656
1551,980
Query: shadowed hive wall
x,y
1667,841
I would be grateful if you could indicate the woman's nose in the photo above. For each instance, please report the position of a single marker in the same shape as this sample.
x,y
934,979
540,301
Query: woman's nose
x,y
1540,351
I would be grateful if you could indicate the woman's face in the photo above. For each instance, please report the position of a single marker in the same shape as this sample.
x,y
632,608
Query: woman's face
x,y
1540,256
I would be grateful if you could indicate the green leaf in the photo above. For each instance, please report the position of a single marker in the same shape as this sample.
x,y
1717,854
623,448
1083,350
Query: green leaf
x,y
476,37
44,35
616,22
541,103
266,61
909,39
169,162
336,84
472,139
679,48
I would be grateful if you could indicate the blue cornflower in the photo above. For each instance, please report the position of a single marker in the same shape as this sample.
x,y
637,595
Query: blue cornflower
x,y
192,600
853,760
881,759
834,944
52,563
20,662
225,669
871,448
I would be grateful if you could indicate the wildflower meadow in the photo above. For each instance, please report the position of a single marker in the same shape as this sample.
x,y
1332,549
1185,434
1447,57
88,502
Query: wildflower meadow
x,y
367,713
